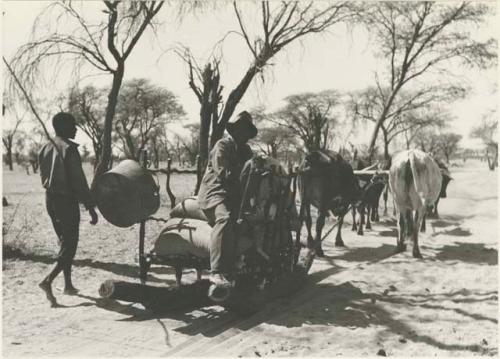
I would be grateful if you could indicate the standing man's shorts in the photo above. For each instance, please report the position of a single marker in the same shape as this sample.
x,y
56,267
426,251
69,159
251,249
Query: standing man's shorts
x,y
64,212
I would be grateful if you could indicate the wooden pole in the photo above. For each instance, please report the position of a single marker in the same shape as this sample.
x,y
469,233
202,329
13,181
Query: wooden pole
x,y
198,175
143,264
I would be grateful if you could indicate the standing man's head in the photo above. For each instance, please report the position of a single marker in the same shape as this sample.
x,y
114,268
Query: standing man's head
x,y
242,128
64,124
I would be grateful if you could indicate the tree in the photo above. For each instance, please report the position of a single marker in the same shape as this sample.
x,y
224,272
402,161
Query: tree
x,y
411,110
87,105
143,109
448,144
159,145
487,131
310,117
191,144
280,24
427,141
9,134
104,46
418,37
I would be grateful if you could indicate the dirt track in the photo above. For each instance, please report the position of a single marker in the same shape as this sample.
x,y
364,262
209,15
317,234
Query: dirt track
x,y
359,299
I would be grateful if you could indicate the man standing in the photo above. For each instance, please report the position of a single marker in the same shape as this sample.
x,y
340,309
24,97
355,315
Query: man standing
x,y
65,184
219,193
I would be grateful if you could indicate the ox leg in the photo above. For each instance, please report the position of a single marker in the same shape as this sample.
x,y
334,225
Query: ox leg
x,y
308,220
401,247
299,230
374,212
436,214
354,226
320,223
417,221
368,213
361,220
386,196
423,227
338,239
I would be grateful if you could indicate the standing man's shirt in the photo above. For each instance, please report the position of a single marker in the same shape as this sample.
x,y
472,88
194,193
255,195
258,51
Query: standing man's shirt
x,y
221,179
61,171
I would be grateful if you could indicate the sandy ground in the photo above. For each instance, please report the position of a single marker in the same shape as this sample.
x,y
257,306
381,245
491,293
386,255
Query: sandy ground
x,y
359,300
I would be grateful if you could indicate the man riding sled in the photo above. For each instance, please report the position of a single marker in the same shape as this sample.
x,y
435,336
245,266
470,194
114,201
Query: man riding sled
x,y
220,194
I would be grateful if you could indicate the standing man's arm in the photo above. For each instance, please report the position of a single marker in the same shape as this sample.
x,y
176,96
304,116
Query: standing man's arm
x,y
78,182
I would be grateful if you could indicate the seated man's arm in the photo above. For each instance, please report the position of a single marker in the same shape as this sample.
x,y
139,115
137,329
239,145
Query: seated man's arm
x,y
221,163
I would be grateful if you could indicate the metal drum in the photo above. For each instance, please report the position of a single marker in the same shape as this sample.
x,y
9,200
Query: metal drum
x,y
127,194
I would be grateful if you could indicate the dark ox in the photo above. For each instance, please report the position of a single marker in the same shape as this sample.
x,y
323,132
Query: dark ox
x,y
327,182
415,181
371,189
362,164
445,180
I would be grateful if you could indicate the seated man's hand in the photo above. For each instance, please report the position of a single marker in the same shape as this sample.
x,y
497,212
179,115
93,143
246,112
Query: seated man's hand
x,y
93,216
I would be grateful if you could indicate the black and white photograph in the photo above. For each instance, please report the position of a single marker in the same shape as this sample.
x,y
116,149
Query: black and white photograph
x,y
249,178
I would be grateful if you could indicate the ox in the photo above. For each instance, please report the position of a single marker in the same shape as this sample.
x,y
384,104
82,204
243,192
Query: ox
x,y
371,189
415,182
327,182
446,178
361,164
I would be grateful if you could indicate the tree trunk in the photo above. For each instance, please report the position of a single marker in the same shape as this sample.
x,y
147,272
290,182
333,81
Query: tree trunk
x,y
158,298
156,153
232,101
386,145
104,163
97,154
8,158
34,166
381,119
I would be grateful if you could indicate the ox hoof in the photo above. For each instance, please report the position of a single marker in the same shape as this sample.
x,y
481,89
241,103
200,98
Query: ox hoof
x,y
360,233
417,255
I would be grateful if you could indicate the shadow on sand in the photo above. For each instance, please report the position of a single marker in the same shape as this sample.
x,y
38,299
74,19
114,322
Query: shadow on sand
x,y
475,253
126,270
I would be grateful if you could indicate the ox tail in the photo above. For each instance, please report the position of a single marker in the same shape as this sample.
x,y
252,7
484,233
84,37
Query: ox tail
x,y
420,181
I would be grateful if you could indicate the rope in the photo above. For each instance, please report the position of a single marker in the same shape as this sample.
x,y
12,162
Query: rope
x,y
335,225
157,219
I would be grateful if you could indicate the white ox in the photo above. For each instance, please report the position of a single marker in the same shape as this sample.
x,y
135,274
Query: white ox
x,y
415,181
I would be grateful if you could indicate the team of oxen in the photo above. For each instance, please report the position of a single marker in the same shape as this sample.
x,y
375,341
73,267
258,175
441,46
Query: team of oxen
x,y
329,183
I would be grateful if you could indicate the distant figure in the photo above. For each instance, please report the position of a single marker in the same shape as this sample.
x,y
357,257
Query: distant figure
x,y
65,183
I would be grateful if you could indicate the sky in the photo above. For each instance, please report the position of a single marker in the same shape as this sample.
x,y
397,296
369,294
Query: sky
x,y
341,59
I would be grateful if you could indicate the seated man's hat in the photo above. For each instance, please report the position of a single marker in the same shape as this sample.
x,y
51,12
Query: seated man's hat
x,y
244,120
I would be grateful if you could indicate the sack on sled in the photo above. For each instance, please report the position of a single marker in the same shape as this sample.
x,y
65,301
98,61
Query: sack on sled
x,y
189,237
184,236
188,208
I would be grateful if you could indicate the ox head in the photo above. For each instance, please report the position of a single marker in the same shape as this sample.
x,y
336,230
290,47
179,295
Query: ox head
x,y
446,178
